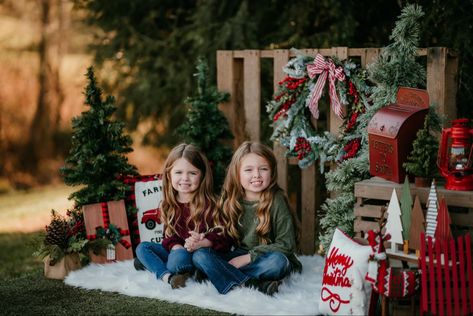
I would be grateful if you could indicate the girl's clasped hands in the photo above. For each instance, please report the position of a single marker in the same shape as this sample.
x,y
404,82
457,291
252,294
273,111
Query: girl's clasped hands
x,y
194,241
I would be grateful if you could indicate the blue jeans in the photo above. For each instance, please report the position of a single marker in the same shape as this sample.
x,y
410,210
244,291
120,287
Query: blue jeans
x,y
224,276
159,261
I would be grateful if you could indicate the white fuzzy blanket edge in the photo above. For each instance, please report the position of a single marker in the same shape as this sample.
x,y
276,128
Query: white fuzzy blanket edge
x,y
299,294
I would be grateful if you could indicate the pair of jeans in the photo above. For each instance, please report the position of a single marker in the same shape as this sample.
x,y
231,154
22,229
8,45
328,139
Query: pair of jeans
x,y
224,276
158,260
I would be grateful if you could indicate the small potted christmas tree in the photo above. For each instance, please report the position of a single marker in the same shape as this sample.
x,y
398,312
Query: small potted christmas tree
x,y
60,247
422,161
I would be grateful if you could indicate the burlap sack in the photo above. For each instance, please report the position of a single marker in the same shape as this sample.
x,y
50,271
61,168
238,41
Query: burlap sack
x,y
62,268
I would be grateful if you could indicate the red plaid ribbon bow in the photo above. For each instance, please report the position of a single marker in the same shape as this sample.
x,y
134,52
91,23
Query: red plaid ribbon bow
x,y
325,68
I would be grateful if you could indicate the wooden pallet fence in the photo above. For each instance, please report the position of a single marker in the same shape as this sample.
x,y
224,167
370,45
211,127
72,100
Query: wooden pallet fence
x,y
239,73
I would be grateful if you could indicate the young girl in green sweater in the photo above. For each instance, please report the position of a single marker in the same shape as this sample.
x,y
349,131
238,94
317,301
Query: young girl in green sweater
x,y
258,218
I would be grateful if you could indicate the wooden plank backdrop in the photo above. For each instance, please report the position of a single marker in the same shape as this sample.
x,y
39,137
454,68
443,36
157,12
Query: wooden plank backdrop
x,y
239,73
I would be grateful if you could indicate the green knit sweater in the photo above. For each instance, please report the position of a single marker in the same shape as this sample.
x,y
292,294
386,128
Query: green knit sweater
x,y
281,235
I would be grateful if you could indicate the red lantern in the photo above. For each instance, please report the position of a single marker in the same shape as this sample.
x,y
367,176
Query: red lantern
x,y
455,156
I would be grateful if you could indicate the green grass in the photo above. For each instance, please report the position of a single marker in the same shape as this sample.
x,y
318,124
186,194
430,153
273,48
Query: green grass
x,y
16,257
24,289
35,295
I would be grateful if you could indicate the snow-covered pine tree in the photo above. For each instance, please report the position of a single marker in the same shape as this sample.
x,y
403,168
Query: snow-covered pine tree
x,y
395,67
97,156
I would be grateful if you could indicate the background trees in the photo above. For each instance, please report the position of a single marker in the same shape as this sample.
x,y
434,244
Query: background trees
x,y
146,49
150,43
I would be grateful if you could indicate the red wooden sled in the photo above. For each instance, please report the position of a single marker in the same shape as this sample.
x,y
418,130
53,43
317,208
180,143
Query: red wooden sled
x,y
446,276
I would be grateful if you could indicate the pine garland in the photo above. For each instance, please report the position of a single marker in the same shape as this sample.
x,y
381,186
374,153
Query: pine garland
x,y
395,67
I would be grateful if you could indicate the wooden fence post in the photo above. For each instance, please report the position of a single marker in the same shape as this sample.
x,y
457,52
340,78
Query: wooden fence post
x,y
281,57
442,69
310,204
229,79
252,93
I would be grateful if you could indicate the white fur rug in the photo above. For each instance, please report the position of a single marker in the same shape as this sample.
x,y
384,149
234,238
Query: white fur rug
x,y
298,294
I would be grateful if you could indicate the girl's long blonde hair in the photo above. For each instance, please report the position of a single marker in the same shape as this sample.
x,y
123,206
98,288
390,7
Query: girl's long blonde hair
x,y
233,192
203,204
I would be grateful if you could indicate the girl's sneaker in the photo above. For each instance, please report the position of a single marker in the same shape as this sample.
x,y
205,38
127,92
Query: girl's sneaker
x,y
268,287
179,280
138,265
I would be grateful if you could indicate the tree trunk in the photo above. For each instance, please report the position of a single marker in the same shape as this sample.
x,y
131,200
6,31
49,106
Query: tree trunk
x,y
50,96
2,146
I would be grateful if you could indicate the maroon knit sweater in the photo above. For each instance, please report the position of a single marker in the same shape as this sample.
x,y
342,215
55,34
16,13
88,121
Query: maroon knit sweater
x,y
220,241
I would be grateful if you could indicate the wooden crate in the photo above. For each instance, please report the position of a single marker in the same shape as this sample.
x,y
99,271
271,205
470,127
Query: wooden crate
x,y
373,194
239,73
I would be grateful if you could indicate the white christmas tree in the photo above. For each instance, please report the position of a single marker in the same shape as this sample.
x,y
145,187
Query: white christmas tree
x,y
393,224
432,211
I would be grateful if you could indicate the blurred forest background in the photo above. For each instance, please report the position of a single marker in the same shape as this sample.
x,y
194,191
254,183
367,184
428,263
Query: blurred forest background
x,y
144,53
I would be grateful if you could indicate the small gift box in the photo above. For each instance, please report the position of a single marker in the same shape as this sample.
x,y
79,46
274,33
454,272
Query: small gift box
x,y
109,218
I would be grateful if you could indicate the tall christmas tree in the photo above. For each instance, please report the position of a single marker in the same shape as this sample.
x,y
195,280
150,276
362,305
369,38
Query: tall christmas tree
x,y
395,67
205,126
97,156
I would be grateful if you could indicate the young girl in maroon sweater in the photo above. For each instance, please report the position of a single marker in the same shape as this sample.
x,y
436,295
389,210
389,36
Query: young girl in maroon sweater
x,y
190,216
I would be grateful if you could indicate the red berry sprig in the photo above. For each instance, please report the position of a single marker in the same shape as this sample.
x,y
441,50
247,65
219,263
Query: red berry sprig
x,y
353,92
302,147
351,149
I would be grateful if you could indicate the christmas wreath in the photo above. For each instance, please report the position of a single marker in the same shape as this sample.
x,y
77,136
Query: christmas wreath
x,y
296,104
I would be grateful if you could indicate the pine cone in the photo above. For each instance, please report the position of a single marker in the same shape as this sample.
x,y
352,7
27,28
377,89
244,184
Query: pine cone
x,y
56,232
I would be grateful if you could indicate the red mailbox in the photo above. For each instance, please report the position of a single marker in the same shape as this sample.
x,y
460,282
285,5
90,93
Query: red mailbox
x,y
392,130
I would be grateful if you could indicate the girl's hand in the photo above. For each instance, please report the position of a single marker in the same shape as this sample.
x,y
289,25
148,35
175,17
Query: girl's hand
x,y
196,236
240,261
192,245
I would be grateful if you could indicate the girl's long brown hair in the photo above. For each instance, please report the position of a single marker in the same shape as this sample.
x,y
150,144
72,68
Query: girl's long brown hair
x,y
233,192
203,204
